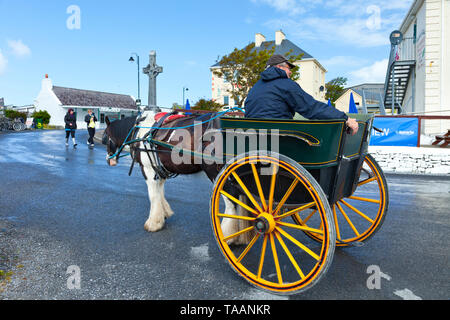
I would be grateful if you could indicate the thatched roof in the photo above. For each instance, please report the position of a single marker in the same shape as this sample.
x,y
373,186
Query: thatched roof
x,y
88,98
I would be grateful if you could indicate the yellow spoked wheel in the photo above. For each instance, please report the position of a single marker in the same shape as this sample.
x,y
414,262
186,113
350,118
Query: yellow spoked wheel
x,y
360,216
278,256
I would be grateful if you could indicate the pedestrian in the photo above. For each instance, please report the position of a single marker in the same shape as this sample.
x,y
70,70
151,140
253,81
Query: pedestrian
x,y
90,120
71,126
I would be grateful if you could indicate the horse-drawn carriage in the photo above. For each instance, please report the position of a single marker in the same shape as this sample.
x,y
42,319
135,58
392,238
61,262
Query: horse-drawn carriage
x,y
305,188
320,190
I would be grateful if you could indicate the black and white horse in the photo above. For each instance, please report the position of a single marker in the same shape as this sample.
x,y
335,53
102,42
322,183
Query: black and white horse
x,y
118,131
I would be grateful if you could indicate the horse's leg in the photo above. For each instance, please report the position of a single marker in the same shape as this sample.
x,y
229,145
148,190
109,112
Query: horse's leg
x,y
229,226
168,212
232,226
246,237
156,219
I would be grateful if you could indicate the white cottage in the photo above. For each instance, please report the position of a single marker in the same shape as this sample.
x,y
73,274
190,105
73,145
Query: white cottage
x,y
57,100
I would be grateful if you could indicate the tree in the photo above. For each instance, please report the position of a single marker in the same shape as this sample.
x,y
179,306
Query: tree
x,y
335,88
209,105
13,114
176,106
243,68
42,114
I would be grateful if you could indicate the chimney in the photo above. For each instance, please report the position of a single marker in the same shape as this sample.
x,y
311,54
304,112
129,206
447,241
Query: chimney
x,y
47,83
279,37
259,39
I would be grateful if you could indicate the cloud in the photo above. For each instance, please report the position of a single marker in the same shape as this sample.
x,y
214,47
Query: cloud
x,y
191,63
343,61
292,7
374,73
18,48
356,22
3,63
344,31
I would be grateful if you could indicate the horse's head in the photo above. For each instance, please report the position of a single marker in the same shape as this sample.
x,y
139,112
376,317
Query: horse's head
x,y
114,136
111,144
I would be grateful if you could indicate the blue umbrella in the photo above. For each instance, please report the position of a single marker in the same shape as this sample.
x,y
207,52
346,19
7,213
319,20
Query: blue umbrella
x,y
352,108
188,107
329,103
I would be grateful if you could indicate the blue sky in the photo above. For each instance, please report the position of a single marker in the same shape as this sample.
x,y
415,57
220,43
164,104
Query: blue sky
x,y
350,38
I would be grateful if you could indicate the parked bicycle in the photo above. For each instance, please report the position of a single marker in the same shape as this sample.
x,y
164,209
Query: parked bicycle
x,y
8,124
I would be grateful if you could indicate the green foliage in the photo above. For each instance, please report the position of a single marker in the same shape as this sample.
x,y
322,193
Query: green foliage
x,y
243,68
12,114
335,88
209,105
176,106
42,114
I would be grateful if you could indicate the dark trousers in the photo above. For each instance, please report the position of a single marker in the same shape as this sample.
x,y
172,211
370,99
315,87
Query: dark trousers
x,y
70,132
91,135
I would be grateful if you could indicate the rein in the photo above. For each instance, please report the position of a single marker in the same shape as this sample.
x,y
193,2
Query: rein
x,y
149,139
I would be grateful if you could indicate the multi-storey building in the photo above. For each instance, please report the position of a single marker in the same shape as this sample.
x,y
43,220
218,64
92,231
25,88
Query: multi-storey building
x,y
312,73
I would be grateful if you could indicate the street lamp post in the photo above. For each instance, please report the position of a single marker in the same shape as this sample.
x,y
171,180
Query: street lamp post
x,y
184,101
139,76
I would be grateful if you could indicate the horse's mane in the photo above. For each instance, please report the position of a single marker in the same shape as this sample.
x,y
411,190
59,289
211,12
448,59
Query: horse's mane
x,y
119,129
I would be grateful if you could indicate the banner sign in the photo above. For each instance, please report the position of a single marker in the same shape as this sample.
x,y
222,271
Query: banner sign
x,y
396,132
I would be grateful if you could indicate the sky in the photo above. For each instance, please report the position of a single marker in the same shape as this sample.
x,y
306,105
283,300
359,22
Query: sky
x,y
87,44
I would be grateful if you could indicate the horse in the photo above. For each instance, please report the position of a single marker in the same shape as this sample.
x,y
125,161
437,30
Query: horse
x,y
118,132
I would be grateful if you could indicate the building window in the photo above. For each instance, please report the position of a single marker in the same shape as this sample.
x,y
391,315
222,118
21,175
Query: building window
x,y
225,76
102,118
226,100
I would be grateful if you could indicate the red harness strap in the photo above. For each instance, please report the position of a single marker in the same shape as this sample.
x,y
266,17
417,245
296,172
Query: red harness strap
x,y
169,119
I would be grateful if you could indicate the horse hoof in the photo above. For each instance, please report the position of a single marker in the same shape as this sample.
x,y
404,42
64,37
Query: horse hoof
x,y
153,227
169,213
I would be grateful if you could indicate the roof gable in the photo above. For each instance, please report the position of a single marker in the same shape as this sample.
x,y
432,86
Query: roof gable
x,y
285,46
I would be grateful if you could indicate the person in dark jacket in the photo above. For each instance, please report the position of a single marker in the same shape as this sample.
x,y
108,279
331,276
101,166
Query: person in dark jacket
x,y
71,126
276,96
90,120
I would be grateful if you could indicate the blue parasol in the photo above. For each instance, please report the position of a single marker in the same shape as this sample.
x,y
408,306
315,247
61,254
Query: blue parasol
x,y
352,108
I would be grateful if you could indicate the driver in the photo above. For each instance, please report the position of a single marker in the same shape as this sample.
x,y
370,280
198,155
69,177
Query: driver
x,y
276,96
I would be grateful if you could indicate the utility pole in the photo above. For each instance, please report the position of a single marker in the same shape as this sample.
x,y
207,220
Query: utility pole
x,y
152,70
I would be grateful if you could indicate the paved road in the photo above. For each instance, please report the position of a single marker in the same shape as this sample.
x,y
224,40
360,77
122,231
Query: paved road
x,y
62,207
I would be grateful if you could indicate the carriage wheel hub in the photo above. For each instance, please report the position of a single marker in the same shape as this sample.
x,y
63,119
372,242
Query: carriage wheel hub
x,y
265,223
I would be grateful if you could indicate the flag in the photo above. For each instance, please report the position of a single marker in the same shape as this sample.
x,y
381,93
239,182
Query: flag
x,y
352,108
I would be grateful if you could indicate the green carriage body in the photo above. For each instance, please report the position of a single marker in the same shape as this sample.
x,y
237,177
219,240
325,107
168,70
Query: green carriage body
x,y
333,157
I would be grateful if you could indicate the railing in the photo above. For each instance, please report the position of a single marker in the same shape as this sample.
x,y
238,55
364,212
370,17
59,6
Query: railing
x,y
406,50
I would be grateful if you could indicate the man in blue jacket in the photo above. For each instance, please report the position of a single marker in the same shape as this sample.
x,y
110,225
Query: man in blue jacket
x,y
276,96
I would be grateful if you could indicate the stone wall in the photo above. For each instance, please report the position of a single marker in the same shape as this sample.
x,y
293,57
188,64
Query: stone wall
x,y
429,161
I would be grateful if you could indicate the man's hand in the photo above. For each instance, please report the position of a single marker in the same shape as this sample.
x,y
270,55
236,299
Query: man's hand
x,y
353,125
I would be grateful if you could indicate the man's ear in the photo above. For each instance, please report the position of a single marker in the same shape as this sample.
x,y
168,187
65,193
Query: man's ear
x,y
107,121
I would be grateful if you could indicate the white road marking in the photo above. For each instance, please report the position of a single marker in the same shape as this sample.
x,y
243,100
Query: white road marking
x,y
406,294
201,253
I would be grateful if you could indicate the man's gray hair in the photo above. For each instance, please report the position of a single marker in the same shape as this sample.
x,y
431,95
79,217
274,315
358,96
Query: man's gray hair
x,y
283,64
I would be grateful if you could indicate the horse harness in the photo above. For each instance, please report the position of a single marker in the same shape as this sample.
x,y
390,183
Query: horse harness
x,y
150,148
